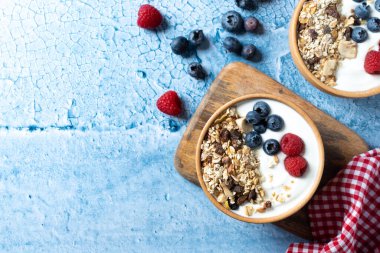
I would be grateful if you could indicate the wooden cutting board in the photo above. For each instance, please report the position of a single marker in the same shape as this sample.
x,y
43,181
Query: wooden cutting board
x,y
238,79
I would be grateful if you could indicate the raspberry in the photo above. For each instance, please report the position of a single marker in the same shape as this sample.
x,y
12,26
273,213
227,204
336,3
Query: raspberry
x,y
295,165
169,103
372,62
148,17
291,144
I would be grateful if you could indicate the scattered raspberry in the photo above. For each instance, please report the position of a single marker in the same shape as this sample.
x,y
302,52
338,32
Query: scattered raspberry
x,y
291,144
148,17
372,62
169,103
295,165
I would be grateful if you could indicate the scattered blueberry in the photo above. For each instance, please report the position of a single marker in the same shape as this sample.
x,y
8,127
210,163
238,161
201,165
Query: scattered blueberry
x,y
358,1
196,37
253,139
248,51
233,22
233,45
359,34
275,123
196,70
373,24
253,117
246,4
271,147
260,128
262,108
251,24
377,5
180,45
362,10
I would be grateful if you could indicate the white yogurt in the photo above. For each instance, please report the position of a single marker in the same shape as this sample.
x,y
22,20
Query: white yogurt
x,y
350,75
299,187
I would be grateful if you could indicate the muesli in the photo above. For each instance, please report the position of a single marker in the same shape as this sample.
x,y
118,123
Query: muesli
x,y
324,38
230,168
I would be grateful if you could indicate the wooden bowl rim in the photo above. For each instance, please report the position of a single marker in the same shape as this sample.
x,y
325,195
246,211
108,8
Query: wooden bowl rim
x,y
293,44
313,188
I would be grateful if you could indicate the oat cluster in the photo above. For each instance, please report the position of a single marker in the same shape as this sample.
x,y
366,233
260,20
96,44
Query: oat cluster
x,y
230,168
324,38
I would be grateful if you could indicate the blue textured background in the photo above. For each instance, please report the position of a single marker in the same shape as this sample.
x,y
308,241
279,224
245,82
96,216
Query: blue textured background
x,y
85,156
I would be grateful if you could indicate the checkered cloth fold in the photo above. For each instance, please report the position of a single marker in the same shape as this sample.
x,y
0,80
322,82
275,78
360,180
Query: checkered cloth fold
x,y
345,214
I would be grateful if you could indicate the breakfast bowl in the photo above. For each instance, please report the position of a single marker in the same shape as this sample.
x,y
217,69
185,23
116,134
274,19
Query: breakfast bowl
x,y
259,181
326,51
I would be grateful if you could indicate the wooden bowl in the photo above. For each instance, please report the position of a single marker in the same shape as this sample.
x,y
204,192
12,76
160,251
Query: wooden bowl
x,y
298,205
293,43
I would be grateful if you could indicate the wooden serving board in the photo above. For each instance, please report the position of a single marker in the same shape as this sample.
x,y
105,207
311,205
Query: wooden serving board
x,y
238,79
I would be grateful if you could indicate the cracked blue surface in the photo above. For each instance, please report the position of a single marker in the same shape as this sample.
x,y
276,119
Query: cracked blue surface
x,y
86,158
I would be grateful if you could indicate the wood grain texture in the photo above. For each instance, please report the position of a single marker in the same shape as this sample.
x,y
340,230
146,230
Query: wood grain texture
x,y
238,79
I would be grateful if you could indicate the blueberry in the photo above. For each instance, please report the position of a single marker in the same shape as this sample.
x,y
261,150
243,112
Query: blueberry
x,y
253,117
196,70
196,37
251,24
180,45
248,51
275,123
262,108
358,1
373,24
246,4
271,147
260,128
362,10
377,5
253,139
233,22
359,34
232,45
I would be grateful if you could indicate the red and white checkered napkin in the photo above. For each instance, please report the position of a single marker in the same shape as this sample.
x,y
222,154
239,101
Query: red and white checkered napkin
x,y
345,214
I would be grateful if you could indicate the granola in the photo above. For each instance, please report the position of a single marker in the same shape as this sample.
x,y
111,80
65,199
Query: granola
x,y
324,38
230,168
